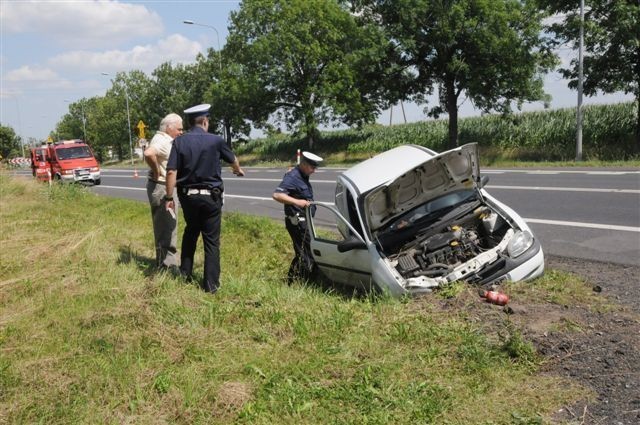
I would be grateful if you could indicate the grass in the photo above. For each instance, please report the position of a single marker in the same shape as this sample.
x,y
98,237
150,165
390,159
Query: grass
x,y
91,333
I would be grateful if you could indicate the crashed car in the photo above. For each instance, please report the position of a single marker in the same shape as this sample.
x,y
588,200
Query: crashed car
x,y
411,220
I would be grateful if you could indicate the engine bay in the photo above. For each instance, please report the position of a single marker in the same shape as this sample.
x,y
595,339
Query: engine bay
x,y
438,251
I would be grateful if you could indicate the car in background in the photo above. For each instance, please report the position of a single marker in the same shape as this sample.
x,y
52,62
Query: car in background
x,y
66,161
411,220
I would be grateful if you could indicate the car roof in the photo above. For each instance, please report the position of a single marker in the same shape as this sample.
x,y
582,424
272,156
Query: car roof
x,y
386,166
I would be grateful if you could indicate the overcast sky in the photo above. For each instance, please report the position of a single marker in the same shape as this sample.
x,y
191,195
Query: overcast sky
x,y
55,51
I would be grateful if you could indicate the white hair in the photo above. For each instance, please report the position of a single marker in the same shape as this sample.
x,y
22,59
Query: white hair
x,y
171,120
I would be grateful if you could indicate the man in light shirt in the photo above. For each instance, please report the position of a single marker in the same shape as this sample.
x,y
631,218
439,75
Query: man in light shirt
x,y
165,224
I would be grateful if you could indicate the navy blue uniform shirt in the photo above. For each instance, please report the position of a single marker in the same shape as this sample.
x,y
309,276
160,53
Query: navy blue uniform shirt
x,y
196,157
296,184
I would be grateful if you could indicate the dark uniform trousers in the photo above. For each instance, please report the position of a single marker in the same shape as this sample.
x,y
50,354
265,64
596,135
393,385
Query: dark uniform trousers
x,y
202,214
302,266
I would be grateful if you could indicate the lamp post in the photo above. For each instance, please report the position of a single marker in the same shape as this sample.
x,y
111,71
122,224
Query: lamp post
x,y
190,22
126,95
84,120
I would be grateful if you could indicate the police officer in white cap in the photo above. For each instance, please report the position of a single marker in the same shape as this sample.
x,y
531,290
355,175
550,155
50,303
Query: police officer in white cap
x,y
296,193
194,168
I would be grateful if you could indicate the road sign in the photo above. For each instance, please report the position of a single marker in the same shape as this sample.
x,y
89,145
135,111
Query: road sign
x,y
141,126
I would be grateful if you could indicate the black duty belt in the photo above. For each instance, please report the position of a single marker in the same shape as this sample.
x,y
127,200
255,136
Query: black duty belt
x,y
192,191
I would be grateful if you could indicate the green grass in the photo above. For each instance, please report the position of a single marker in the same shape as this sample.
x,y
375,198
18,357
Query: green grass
x,y
91,333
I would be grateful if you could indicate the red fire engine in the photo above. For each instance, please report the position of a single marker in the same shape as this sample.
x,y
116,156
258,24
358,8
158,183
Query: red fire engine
x,y
68,160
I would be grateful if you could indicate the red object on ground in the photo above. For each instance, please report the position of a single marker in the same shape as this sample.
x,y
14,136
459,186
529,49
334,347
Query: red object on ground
x,y
494,297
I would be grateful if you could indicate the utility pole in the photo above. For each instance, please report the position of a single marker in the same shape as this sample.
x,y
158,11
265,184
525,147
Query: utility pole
x,y
580,85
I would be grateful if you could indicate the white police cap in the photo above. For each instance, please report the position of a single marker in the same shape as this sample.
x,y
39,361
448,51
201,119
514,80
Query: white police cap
x,y
196,111
311,158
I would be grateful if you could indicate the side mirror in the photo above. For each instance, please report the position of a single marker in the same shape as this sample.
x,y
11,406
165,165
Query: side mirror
x,y
484,180
350,243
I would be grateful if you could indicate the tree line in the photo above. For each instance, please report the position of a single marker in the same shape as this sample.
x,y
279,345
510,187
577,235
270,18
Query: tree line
x,y
306,64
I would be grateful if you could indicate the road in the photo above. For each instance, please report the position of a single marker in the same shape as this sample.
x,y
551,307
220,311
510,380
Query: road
x,y
586,213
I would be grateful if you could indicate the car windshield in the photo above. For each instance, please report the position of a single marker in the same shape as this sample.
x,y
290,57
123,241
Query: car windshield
x,y
432,210
74,152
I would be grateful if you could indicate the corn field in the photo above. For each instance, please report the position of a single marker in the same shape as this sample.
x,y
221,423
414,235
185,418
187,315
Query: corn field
x,y
608,134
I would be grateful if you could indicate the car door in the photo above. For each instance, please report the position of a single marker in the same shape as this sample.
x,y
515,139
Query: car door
x,y
343,260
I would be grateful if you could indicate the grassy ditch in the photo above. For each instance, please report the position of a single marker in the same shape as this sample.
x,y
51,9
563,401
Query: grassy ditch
x,y
90,333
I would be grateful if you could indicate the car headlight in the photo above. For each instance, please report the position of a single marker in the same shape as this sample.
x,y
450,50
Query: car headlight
x,y
519,243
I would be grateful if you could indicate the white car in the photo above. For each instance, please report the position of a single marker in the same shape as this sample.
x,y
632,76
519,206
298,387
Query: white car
x,y
411,220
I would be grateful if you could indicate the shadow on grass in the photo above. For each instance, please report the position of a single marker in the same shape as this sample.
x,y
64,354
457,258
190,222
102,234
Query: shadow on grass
x,y
329,287
146,264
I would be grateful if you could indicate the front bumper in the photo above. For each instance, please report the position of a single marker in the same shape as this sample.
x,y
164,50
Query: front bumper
x,y
81,175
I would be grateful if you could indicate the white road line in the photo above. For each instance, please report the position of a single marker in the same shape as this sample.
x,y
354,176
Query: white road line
x,y
102,186
587,225
542,188
564,189
314,181
232,178
593,173
528,220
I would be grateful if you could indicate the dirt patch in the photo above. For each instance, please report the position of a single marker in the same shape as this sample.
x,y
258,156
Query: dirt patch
x,y
231,397
599,350
595,346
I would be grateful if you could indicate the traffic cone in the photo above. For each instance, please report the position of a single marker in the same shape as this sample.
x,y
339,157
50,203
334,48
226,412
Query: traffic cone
x,y
135,173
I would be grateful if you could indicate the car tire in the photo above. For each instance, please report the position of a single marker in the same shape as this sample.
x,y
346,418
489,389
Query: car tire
x,y
97,182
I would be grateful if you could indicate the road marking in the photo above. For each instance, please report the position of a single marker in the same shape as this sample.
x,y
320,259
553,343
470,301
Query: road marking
x,y
528,220
541,188
564,189
587,225
552,172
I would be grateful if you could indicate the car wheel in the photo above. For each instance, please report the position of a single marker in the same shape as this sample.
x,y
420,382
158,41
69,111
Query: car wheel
x,y
97,182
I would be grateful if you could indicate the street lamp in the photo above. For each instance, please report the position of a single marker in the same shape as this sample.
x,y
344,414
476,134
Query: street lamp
x,y
126,93
84,125
190,22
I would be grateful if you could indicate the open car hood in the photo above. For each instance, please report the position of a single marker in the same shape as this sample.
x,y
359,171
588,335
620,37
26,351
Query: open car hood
x,y
447,172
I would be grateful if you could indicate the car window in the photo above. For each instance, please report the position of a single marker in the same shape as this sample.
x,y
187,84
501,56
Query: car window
x,y
325,226
74,152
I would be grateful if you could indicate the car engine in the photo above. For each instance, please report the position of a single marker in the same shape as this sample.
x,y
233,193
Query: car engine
x,y
437,254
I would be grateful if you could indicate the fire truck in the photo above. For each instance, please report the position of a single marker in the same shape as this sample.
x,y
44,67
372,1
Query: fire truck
x,y
67,161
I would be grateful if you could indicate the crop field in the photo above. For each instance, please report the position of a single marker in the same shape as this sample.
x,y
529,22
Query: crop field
x,y
608,135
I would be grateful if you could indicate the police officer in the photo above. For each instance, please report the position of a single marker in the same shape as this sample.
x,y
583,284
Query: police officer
x,y
194,168
296,193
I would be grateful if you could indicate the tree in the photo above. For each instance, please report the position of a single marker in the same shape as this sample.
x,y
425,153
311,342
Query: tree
x,y
10,143
126,87
71,125
239,100
611,45
302,57
171,90
490,50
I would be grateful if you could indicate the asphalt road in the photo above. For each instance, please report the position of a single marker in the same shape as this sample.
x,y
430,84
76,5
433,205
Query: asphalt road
x,y
586,213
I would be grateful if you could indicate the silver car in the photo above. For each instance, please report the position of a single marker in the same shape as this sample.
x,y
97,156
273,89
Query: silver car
x,y
410,220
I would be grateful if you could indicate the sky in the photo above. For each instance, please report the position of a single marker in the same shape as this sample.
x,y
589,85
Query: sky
x,y
53,52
